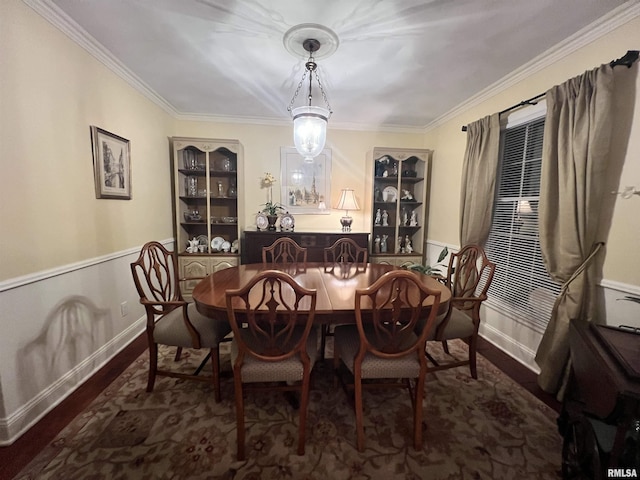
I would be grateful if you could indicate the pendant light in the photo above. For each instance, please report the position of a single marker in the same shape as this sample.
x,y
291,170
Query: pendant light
x,y
310,121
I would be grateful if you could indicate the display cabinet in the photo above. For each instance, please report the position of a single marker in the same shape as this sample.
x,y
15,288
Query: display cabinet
x,y
207,207
399,212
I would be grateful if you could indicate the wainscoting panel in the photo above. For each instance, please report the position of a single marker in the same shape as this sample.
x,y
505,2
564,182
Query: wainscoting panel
x,y
61,326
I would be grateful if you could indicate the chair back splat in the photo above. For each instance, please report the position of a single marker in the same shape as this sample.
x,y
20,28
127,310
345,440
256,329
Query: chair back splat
x,y
285,252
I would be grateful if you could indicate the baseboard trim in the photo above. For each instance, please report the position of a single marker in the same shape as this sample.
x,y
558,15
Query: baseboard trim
x,y
516,350
11,428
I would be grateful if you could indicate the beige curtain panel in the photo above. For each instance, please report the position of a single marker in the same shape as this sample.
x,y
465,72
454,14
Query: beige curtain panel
x,y
479,172
574,159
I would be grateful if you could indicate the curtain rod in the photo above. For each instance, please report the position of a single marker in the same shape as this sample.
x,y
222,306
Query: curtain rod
x,y
627,60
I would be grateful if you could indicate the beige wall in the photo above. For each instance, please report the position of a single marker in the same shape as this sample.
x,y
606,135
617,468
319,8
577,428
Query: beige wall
x,y
622,263
51,91
350,151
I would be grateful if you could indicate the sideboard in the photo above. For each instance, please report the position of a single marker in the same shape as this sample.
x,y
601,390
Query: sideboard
x,y
314,242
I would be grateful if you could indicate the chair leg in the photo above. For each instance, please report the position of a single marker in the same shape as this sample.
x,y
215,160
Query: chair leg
x,y
215,365
178,354
417,413
359,420
323,340
304,404
239,416
153,366
473,344
445,347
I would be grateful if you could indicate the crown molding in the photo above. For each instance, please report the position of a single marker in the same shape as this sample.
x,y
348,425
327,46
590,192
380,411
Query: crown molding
x,y
59,19
614,19
604,25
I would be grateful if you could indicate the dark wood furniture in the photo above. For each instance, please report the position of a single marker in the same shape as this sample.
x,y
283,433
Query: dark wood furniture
x,y
469,277
261,353
170,319
314,242
388,346
284,251
600,421
335,289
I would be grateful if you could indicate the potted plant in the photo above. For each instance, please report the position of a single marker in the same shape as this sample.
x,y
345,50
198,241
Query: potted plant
x,y
433,270
270,208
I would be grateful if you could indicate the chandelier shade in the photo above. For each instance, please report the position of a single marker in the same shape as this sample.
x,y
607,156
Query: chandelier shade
x,y
309,130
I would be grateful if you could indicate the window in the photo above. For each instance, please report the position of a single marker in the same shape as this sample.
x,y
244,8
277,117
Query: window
x,y
521,286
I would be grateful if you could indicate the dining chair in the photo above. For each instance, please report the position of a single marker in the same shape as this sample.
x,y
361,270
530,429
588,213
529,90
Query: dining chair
x,y
345,251
386,347
345,254
469,276
285,252
272,342
170,319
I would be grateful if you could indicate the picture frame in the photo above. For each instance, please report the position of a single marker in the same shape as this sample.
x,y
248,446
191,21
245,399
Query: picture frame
x,y
111,164
305,187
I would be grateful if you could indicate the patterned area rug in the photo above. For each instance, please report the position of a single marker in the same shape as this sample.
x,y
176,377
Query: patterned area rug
x,y
488,428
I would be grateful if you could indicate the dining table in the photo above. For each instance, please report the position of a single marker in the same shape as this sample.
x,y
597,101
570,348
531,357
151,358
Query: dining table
x,y
335,285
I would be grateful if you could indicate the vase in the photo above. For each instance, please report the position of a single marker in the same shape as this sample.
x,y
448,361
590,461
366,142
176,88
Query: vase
x,y
272,222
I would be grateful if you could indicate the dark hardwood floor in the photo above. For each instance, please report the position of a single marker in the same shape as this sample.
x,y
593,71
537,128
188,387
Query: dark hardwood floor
x,y
15,457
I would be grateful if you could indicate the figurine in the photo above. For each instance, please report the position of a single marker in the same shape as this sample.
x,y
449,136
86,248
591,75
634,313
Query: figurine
x,y
406,195
414,219
378,195
405,218
383,244
377,220
407,244
385,218
399,247
376,248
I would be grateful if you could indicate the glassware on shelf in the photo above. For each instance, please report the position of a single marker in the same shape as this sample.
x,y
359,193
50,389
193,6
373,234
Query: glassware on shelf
x,y
189,157
191,186
220,190
232,192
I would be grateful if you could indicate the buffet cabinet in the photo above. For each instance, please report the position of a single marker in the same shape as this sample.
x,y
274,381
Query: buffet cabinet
x,y
314,242
400,204
207,208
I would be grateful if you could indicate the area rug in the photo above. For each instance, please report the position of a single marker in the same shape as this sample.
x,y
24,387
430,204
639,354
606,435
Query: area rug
x,y
489,428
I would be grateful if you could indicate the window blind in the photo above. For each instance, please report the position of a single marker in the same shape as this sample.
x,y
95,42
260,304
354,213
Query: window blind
x,y
521,288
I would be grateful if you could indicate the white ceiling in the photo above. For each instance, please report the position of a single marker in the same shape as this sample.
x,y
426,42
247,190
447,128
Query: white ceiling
x,y
399,63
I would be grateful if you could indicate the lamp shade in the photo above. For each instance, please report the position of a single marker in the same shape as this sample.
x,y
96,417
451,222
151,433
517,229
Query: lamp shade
x,y
309,130
348,200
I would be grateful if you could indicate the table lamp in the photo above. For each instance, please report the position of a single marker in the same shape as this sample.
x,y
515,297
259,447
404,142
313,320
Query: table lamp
x,y
347,202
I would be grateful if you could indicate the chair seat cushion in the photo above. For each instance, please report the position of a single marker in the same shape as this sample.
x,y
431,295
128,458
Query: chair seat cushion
x,y
460,326
290,370
347,343
171,330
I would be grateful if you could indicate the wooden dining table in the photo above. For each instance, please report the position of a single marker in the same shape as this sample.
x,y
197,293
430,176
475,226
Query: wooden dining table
x,y
335,286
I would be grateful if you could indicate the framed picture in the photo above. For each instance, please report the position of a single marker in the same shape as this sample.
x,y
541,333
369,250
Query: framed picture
x,y
111,165
305,187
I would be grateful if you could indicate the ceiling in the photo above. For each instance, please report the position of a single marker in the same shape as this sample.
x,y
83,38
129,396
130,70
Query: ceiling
x,y
399,63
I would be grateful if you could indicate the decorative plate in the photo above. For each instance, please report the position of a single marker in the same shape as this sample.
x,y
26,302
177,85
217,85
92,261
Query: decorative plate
x,y
390,194
202,239
226,246
287,222
262,221
216,243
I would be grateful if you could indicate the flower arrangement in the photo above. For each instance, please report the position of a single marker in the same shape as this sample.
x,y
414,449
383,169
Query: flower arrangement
x,y
271,207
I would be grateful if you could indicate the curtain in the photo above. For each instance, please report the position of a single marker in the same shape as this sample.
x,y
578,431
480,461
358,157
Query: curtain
x,y
574,159
479,179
